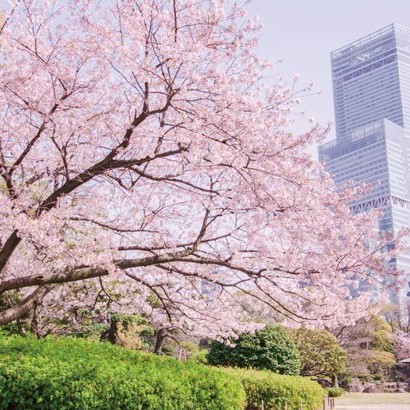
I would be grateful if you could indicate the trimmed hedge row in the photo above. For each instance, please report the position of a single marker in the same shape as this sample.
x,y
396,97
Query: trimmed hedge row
x,y
69,373
275,390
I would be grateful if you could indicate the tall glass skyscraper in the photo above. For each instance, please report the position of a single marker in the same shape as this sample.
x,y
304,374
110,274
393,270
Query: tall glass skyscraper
x,y
371,91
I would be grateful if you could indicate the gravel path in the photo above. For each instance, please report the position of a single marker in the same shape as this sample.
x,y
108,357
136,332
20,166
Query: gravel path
x,y
373,401
373,407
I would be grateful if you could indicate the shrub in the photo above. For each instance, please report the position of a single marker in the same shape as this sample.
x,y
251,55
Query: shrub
x,y
267,349
200,357
334,391
320,352
71,373
275,390
377,377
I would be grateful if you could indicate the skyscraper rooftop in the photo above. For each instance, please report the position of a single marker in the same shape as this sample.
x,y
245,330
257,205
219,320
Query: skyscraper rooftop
x,y
371,80
393,27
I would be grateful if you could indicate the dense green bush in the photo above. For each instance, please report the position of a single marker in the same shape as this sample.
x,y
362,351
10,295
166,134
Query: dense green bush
x,y
320,352
275,390
70,373
334,391
270,348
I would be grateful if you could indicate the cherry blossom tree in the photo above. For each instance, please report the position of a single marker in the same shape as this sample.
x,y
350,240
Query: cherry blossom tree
x,y
143,156
402,345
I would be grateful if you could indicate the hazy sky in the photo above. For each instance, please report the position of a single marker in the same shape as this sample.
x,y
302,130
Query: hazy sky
x,y
304,33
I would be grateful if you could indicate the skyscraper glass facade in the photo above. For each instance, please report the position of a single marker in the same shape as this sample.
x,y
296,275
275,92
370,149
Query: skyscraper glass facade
x,y
371,80
371,89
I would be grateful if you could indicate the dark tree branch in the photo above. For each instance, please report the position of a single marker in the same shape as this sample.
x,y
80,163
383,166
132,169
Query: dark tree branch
x,y
8,248
29,303
107,164
82,273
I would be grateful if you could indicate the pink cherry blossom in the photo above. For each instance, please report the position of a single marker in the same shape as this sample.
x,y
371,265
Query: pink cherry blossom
x,y
142,153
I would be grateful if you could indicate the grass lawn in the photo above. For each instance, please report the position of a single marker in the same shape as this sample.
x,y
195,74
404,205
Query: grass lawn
x,y
367,401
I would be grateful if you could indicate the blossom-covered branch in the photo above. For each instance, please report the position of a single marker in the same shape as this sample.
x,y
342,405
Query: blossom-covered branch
x,y
142,153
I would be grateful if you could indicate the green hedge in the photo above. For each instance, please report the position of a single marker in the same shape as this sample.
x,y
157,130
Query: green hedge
x,y
275,390
77,374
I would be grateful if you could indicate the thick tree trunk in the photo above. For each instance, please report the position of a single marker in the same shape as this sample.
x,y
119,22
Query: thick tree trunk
x,y
161,336
335,380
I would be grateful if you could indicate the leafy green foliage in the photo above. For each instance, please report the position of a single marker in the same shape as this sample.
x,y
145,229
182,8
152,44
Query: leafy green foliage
x,y
379,361
200,357
91,331
382,335
320,352
13,329
276,390
71,373
268,349
334,391
8,300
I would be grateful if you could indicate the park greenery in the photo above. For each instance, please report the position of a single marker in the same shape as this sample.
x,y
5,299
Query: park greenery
x,y
267,349
369,346
275,390
66,371
320,353
71,373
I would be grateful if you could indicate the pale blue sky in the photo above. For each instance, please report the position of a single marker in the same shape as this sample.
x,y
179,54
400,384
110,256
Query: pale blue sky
x,y
304,33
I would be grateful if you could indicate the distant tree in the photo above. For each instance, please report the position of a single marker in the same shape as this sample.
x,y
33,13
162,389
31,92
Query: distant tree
x,y
395,317
379,361
382,337
320,353
402,345
369,346
269,349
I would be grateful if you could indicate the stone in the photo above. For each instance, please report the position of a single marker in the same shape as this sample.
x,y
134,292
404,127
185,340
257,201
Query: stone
x,y
372,389
356,386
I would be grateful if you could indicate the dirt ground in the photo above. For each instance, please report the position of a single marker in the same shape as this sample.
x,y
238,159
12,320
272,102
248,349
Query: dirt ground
x,y
373,401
